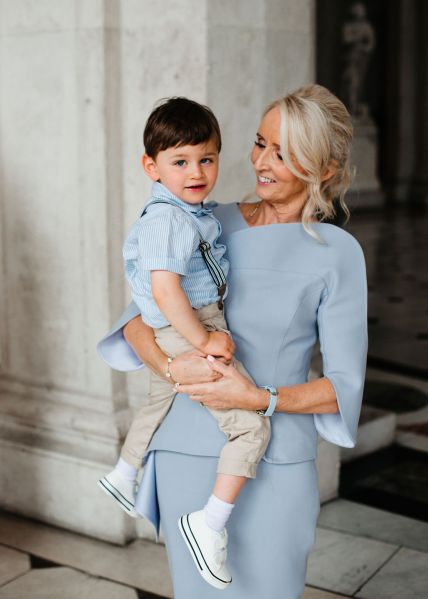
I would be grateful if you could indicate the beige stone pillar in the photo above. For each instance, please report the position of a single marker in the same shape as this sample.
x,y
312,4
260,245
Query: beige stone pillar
x,y
78,78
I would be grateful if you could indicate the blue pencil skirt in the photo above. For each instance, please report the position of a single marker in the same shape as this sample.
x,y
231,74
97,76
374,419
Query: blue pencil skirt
x,y
271,529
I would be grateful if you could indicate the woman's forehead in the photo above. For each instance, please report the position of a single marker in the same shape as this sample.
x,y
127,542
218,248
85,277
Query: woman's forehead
x,y
270,125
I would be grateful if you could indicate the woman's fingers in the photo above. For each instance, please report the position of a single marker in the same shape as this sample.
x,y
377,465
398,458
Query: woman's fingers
x,y
191,367
193,390
233,390
217,365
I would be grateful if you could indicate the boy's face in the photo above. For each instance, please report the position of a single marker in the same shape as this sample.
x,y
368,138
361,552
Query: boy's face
x,y
189,172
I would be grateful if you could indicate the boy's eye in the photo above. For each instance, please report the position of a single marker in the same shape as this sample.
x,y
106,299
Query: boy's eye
x,y
279,156
179,162
206,161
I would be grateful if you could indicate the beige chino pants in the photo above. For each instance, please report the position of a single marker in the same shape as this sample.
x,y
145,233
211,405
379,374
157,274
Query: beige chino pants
x,y
247,433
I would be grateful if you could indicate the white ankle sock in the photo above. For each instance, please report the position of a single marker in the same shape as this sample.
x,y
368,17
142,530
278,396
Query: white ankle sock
x,y
217,513
128,471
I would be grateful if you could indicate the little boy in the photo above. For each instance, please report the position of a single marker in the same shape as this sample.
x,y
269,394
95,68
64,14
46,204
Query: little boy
x,y
177,273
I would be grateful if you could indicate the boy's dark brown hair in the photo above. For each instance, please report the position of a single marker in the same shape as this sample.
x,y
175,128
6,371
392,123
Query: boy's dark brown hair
x,y
179,122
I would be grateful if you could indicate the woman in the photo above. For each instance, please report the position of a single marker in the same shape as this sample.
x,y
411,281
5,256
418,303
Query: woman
x,y
293,279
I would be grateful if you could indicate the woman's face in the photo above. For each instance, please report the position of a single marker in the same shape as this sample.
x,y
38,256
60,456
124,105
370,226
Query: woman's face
x,y
275,182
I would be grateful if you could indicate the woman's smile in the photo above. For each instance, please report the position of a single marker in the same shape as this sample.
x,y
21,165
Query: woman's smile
x,y
265,180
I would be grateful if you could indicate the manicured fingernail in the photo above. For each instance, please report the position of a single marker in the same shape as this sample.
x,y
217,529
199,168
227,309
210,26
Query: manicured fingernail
x,y
210,358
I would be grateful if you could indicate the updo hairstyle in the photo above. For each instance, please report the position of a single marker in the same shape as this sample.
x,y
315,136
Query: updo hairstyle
x,y
316,133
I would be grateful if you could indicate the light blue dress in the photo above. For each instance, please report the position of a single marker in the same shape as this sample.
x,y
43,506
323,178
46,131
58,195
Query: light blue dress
x,y
285,290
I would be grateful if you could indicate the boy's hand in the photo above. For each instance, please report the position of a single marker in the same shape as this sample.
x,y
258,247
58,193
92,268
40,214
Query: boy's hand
x,y
219,344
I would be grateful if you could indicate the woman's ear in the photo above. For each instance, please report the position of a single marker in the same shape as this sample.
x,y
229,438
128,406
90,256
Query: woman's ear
x,y
150,167
330,171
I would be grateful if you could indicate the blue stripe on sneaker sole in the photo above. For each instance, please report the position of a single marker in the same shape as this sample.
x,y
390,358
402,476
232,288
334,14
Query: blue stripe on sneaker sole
x,y
108,488
190,542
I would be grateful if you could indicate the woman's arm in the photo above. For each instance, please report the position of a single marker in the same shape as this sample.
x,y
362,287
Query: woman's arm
x,y
234,390
314,397
187,368
142,340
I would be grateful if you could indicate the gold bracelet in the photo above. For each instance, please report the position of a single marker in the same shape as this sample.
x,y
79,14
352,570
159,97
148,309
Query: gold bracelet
x,y
168,373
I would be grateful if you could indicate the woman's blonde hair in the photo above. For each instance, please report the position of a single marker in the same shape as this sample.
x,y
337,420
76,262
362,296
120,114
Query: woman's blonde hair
x,y
316,135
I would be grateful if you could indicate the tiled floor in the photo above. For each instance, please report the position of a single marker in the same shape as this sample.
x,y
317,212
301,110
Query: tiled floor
x,y
359,552
344,562
371,523
131,565
51,583
405,575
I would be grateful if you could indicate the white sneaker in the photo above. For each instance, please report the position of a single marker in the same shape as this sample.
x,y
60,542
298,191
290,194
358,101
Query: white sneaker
x,y
207,547
121,489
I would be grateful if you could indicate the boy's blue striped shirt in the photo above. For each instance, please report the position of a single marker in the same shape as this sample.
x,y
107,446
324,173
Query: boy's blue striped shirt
x,y
167,238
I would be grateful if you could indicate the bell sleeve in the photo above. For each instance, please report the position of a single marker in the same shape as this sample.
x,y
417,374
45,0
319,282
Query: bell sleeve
x,y
342,326
114,349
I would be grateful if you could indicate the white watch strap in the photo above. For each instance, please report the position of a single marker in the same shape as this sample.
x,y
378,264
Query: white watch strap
x,y
272,401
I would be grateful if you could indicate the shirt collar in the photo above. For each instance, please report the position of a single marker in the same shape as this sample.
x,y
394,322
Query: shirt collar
x,y
160,192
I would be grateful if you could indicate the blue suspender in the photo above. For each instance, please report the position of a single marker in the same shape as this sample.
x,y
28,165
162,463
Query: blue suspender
x,y
213,266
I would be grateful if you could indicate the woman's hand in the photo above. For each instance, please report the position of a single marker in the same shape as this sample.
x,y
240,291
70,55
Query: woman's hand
x,y
192,367
189,367
232,390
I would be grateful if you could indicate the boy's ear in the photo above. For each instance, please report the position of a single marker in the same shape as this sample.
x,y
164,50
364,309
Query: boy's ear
x,y
149,165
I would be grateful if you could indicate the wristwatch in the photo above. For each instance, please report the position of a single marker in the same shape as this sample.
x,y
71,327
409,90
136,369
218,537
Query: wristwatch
x,y
272,401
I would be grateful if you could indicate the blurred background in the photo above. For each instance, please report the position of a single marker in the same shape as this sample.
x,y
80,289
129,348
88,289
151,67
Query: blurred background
x,y
78,79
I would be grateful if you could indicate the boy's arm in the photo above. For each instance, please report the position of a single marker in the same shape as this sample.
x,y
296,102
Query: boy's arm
x,y
175,306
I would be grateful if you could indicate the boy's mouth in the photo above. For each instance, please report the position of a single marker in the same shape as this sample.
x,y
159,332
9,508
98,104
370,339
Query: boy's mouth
x,y
196,187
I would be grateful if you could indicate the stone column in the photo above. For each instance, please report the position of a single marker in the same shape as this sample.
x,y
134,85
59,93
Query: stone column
x,y
61,411
419,190
406,146
401,125
78,80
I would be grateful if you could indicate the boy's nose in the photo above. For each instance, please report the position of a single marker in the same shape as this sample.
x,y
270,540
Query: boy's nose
x,y
197,171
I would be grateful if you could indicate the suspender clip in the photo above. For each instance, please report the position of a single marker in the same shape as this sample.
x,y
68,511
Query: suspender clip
x,y
221,291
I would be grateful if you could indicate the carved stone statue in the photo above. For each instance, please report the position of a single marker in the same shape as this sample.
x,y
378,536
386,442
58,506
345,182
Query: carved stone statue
x,y
359,38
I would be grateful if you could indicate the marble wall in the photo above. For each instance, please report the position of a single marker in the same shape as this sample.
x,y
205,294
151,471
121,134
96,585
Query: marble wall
x,y
77,82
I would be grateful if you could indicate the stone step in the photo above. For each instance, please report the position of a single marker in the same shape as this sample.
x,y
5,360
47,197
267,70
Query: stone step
x,y
141,564
51,583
